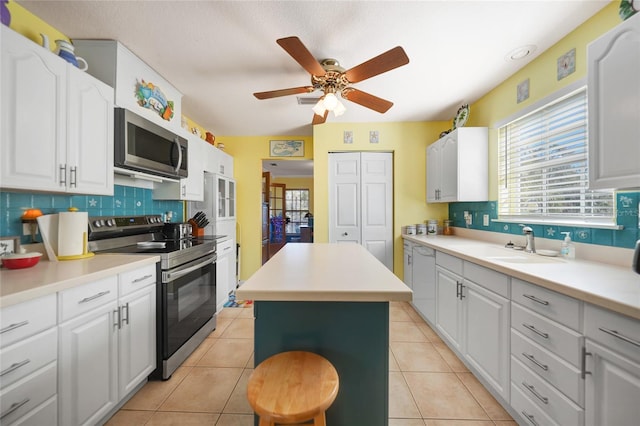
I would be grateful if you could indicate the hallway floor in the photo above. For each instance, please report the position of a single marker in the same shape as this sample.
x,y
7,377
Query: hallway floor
x,y
428,385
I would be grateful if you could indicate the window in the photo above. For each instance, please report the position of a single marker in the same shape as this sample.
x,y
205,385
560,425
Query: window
x,y
297,208
542,168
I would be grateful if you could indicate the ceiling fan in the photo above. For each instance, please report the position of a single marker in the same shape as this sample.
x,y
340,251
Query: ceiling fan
x,y
329,77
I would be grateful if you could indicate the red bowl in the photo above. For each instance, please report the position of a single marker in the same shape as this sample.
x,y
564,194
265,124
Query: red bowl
x,y
21,260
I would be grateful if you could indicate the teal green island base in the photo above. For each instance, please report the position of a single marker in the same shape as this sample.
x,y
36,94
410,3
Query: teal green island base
x,y
353,336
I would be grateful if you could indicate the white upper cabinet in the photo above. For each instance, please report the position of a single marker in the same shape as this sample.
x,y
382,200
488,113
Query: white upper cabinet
x,y
614,107
457,166
57,122
190,188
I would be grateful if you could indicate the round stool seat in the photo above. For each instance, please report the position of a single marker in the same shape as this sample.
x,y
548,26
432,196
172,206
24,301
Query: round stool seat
x,y
291,387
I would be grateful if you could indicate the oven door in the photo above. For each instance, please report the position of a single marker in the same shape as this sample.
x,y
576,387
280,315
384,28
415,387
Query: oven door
x,y
188,295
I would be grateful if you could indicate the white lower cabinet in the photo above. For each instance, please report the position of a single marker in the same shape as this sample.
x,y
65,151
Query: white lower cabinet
x,y
449,310
407,263
225,271
423,273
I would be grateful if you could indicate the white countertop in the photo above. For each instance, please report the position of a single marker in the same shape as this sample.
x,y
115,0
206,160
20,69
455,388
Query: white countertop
x,y
324,272
610,286
20,285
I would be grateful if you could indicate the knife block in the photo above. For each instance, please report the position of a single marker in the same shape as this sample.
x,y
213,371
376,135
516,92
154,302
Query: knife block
x,y
196,231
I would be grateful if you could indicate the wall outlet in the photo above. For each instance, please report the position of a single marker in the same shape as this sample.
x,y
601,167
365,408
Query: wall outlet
x,y
468,218
485,220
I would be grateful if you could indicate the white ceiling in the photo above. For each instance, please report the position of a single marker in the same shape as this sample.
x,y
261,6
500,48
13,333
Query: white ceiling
x,y
288,168
218,53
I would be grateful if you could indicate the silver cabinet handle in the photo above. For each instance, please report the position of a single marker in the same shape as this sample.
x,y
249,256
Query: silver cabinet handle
x,y
535,393
95,296
409,260
535,299
116,316
125,308
535,330
458,283
14,407
137,280
73,176
529,417
14,326
535,361
63,175
620,336
462,287
583,369
14,367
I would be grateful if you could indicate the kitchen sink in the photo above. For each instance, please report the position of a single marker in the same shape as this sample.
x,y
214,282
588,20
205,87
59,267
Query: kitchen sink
x,y
508,255
525,258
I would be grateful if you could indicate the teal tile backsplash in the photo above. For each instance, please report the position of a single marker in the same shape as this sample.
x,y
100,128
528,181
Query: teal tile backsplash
x,y
627,204
126,200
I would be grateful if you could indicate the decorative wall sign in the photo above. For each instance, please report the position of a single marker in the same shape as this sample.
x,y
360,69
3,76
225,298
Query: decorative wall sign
x,y
150,96
567,64
9,245
374,136
286,148
348,136
523,91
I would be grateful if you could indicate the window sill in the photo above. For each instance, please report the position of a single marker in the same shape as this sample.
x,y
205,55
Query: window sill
x,y
552,222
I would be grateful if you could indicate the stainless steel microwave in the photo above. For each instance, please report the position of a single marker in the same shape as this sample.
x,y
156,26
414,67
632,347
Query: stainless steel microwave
x,y
144,146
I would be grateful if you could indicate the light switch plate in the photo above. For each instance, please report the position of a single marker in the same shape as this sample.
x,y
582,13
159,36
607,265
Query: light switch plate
x,y
485,220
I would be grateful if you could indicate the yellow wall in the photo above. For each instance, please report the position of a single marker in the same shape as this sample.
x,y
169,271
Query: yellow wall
x,y
408,142
298,183
248,153
30,26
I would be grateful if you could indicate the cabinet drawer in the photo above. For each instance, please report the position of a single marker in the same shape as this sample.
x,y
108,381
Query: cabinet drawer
x,y
44,414
449,262
84,298
617,332
548,399
558,307
26,319
550,367
557,338
528,410
26,394
138,278
225,247
27,356
487,278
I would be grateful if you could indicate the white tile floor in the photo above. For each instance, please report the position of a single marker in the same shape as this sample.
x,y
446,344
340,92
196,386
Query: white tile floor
x,y
428,385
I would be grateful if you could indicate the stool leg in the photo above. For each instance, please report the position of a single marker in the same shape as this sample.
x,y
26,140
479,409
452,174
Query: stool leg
x,y
320,420
265,422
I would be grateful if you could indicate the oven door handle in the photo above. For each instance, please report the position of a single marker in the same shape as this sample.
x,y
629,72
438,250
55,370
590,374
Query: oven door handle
x,y
170,276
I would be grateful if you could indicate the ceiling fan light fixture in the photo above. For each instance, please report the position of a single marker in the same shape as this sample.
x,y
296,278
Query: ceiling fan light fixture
x,y
330,101
339,109
319,108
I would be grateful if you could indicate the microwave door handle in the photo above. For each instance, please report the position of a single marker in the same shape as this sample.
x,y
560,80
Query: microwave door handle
x,y
177,142
182,272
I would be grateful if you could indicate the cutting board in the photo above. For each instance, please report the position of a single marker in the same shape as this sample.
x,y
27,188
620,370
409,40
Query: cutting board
x,y
48,225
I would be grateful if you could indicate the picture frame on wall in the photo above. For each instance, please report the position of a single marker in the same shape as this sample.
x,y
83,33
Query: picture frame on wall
x,y
9,245
286,148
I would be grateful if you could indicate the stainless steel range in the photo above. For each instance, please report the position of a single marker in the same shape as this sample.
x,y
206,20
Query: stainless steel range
x,y
186,289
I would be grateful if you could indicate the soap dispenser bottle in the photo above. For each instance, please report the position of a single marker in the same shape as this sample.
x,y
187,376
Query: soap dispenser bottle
x,y
568,249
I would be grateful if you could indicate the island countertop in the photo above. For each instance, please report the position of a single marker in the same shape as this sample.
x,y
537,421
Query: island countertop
x,y
324,272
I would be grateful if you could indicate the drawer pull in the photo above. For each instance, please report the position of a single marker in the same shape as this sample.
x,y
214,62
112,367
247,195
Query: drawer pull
x,y
137,280
95,296
14,326
116,314
620,336
583,367
535,299
14,407
535,393
535,330
125,319
14,367
529,417
535,361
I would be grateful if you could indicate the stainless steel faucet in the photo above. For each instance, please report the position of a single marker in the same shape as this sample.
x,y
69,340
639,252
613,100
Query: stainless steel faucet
x,y
531,240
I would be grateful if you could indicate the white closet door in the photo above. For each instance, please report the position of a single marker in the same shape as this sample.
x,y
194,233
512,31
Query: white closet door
x,y
361,201
377,205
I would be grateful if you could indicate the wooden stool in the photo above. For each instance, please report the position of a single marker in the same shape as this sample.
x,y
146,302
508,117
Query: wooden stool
x,y
292,387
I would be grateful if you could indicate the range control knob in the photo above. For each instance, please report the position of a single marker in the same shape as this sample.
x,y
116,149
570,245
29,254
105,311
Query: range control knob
x,y
111,222
96,223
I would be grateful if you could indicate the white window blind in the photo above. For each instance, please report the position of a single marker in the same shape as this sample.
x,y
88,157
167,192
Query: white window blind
x,y
543,166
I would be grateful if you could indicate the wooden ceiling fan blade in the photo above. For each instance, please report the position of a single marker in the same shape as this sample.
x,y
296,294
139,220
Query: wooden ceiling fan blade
x,y
301,54
367,100
387,61
284,92
319,119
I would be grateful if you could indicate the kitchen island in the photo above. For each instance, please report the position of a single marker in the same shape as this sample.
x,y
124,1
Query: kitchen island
x,y
333,300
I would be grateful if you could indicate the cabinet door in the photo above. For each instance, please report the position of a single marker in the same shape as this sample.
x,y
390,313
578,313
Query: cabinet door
x,y
613,93
192,187
424,282
33,105
449,168
433,172
137,338
407,264
225,272
88,366
231,200
449,307
612,387
486,339
90,135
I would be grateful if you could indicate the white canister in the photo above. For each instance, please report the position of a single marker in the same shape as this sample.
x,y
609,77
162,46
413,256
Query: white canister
x,y
432,227
421,229
411,229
